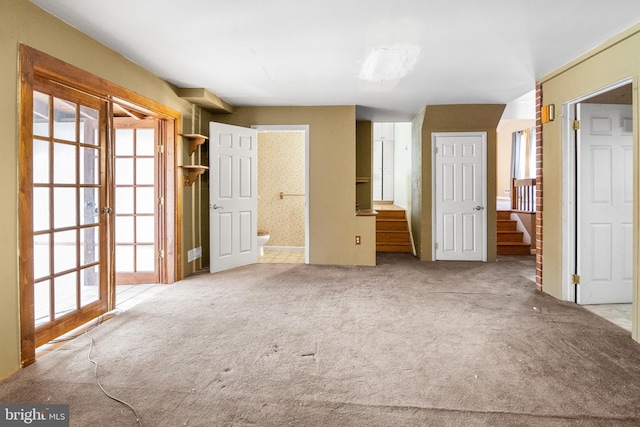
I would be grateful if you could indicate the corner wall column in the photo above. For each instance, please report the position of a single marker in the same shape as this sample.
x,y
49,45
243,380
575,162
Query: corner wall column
x,y
539,183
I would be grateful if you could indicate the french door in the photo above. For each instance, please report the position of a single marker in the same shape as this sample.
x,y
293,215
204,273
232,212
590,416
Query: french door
x,y
67,224
136,200
70,209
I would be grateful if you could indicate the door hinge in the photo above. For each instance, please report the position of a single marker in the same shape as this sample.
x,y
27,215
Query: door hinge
x,y
160,201
576,125
436,246
161,253
160,148
575,279
435,150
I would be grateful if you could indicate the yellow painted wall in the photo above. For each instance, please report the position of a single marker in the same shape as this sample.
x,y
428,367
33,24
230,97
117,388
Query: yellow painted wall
x,y
612,62
455,118
332,171
281,168
23,22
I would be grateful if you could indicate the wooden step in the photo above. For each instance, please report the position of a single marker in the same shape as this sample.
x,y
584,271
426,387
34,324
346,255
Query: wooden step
x,y
391,225
509,239
510,236
503,215
507,225
513,248
390,214
392,230
393,237
384,247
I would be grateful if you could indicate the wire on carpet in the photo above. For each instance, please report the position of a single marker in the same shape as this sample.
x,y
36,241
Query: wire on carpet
x,y
98,321
100,385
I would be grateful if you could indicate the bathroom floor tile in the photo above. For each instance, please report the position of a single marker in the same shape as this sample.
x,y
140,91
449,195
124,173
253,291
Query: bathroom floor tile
x,y
282,257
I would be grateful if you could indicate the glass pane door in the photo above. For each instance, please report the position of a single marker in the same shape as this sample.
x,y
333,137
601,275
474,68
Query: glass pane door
x,y
69,231
136,201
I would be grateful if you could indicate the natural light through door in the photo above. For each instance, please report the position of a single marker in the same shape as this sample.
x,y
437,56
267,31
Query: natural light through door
x,y
68,239
135,201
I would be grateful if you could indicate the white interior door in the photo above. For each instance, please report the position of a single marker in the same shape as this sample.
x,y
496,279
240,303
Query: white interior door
x,y
233,196
605,199
460,196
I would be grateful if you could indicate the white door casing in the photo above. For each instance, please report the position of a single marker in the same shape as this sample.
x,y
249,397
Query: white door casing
x,y
233,196
605,200
459,196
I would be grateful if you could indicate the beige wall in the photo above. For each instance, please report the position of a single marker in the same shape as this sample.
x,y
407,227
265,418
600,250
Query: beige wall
x,y
364,163
612,62
332,171
22,22
281,168
453,118
503,152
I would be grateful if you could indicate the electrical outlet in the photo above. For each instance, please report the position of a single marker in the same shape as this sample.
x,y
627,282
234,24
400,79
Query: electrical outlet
x,y
357,240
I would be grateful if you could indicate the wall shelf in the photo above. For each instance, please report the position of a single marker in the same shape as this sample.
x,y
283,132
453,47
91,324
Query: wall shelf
x,y
191,172
195,140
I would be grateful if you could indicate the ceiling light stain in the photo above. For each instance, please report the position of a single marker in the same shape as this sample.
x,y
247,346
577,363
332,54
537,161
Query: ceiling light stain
x,y
384,64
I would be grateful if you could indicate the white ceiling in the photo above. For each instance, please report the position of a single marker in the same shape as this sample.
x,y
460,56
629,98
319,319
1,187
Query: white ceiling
x,y
296,52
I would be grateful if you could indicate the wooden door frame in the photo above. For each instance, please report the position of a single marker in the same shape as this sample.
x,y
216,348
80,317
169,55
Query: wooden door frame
x,y
34,63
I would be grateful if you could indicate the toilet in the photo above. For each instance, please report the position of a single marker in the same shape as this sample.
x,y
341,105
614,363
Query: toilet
x,y
263,237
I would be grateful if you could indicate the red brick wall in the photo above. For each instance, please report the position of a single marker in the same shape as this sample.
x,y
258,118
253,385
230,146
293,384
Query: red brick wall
x,y
538,188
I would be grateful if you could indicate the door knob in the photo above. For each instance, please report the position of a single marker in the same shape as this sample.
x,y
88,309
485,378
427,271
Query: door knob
x,y
214,206
478,208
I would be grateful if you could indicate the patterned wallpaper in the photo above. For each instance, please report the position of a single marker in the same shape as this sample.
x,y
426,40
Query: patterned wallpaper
x,y
281,169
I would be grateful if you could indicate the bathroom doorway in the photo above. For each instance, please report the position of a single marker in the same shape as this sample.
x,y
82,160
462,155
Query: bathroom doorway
x,y
283,194
597,213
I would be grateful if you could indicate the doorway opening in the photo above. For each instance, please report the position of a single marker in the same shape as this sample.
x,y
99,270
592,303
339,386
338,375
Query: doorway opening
x,y
383,162
283,193
597,212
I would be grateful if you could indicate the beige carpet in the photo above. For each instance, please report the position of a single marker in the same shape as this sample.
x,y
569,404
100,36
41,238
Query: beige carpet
x,y
406,343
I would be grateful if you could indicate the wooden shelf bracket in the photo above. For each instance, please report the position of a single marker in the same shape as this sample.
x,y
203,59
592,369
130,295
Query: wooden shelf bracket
x,y
191,172
195,140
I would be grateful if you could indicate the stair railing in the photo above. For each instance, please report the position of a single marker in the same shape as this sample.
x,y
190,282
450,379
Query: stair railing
x,y
523,194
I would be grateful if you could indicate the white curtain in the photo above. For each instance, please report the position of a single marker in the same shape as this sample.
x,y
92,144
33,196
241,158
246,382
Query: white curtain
x,y
523,154
516,165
